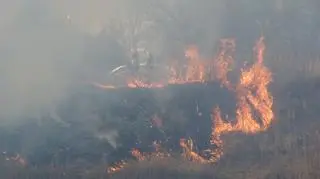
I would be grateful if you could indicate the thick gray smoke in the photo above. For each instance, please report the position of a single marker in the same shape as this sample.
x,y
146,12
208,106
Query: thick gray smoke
x,y
39,58
43,43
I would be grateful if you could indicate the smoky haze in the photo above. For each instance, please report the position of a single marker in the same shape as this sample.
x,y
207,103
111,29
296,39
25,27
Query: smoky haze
x,y
48,48
44,44
38,58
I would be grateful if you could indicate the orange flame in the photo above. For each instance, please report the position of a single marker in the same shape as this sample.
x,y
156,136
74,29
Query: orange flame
x,y
140,156
251,92
116,167
159,153
195,68
137,154
188,151
222,63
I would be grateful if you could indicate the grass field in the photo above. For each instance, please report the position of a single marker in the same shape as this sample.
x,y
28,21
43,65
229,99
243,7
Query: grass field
x,y
290,149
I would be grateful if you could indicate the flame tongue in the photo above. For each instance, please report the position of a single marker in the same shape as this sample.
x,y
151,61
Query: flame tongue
x,y
252,94
223,62
196,69
251,90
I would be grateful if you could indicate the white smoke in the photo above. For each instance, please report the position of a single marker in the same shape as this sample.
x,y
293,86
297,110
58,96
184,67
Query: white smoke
x,y
42,45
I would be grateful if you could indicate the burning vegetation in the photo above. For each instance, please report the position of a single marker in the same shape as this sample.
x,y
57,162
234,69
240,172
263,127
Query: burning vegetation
x,y
198,84
163,99
254,102
194,70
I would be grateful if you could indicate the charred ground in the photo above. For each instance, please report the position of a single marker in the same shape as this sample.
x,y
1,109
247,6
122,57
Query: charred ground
x,y
62,152
82,141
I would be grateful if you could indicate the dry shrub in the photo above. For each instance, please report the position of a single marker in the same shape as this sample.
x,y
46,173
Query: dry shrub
x,y
165,169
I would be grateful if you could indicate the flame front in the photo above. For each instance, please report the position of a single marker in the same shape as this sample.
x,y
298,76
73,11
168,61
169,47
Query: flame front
x,y
192,71
222,63
188,151
195,68
251,91
159,153
252,94
116,167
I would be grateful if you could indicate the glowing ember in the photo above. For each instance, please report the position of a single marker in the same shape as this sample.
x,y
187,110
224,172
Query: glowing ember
x,y
116,167
140,84
188,151
137,154
159,153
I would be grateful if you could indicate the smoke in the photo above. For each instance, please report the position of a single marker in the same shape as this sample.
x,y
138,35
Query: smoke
x,y
43,43
42,53
39,59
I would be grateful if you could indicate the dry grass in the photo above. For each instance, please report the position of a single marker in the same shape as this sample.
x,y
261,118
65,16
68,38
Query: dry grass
x,y
289,150
286,151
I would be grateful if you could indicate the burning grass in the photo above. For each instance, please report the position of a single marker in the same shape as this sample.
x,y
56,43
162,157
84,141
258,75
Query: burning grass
x,y
252,115
254,102
289,149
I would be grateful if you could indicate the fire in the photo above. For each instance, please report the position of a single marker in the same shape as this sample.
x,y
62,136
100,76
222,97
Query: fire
x,y
159,152
222,63
252,94
135,83
137,154
188,151
195,71
254,102
116,167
